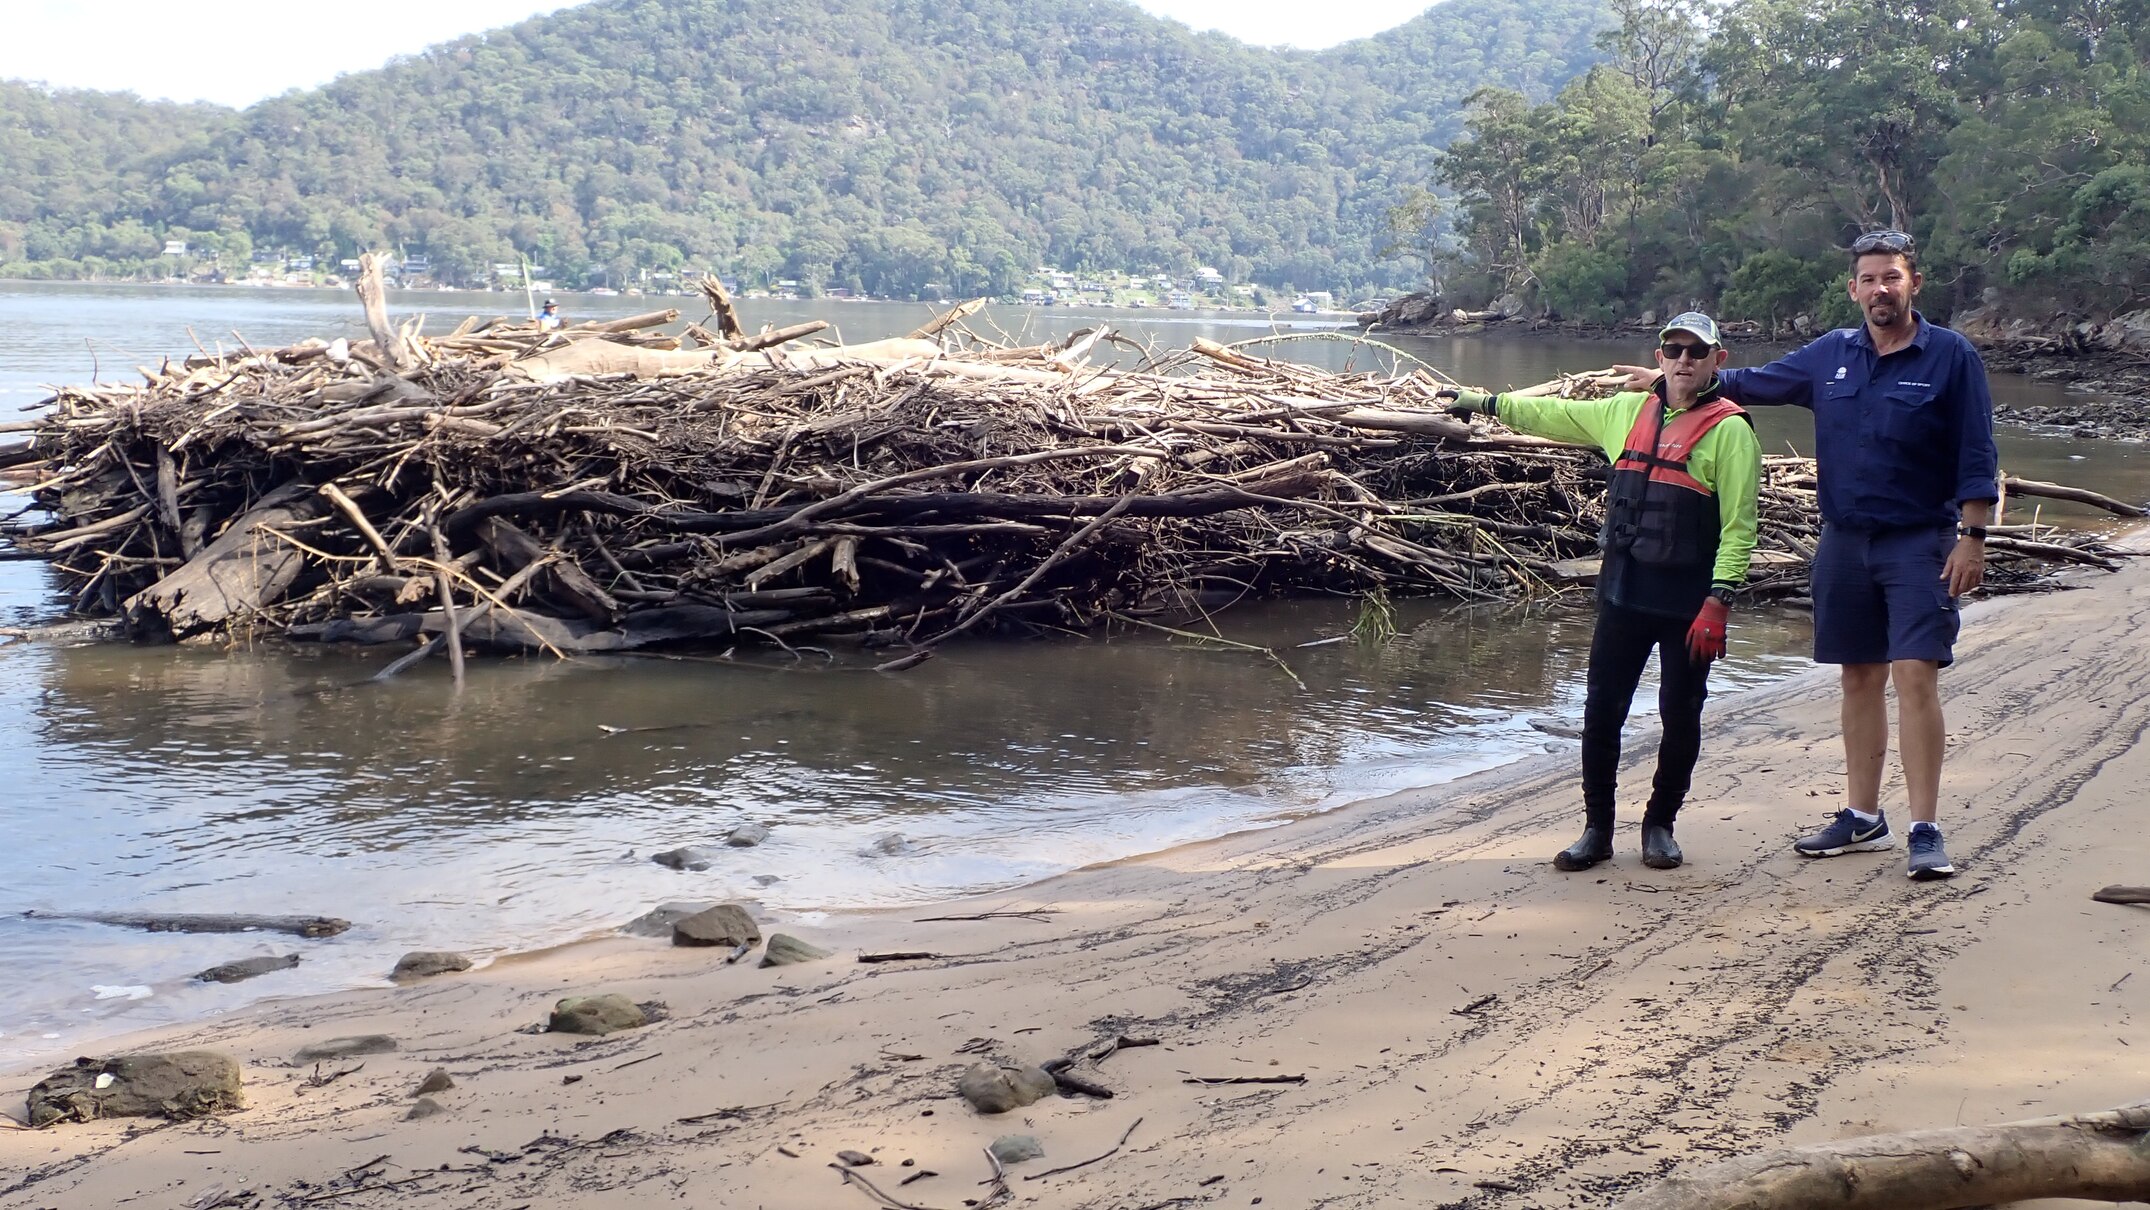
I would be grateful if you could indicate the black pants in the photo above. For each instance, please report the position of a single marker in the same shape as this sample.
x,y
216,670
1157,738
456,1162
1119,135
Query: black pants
x,y
1618,651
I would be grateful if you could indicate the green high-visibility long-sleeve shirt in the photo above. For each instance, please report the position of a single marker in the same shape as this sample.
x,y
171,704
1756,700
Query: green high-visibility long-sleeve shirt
x,y
1728,459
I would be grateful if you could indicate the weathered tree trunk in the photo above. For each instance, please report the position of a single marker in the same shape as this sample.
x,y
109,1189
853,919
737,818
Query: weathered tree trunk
x,y
373,296
188,922
2103,1156
565,580
241,571
2058,491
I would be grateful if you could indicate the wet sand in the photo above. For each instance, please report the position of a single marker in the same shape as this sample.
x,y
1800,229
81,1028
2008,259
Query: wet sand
x,y
1474,1028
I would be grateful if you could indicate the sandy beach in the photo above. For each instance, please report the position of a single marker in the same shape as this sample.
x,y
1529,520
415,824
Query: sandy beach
x,y
1473,1027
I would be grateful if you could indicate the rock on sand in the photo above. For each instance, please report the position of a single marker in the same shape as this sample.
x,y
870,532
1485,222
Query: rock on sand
x,y
423,964
658,921
726,924
598,1015
994,1089
181,1084
247,968
787,950
346,1048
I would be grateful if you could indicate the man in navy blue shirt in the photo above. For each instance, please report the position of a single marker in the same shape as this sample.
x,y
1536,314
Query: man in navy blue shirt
x,y
1903,429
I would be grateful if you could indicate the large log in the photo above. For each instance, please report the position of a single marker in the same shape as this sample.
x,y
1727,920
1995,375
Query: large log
x,y
373,298
513,550
913,506
220,922
244,570
516,630
2079,495
2102,1156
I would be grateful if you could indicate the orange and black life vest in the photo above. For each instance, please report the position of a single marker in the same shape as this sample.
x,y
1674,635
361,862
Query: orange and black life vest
x,y
1659,515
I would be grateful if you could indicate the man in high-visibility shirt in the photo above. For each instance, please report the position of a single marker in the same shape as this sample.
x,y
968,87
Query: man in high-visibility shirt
x,y
1679,532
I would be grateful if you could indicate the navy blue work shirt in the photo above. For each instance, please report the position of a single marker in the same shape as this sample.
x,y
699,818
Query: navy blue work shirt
x,y
1901,440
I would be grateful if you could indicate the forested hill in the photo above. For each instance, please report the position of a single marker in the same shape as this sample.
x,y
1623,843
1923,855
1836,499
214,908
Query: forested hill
x,y
901,147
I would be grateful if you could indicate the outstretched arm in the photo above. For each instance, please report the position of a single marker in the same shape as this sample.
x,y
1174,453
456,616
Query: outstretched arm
x,y
1603,423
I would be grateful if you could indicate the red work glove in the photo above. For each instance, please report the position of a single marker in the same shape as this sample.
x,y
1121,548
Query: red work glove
x,y
1705,639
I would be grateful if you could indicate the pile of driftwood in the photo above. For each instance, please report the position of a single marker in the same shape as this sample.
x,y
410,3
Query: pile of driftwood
x,y
610,487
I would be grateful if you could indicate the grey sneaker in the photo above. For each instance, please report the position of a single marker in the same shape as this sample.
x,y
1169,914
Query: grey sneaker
x,y
1928,859
1847,833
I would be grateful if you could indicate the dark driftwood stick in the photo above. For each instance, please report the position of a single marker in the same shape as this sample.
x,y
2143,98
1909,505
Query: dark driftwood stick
x,y
180,922
447,607
777,336
872,1190
1073,543
1058,1069
1244,1080
1123,1042
1125,1135
2057,491
906,956
760,524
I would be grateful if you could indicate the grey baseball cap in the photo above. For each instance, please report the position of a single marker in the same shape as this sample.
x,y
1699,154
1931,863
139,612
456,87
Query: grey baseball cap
x,y
1694,323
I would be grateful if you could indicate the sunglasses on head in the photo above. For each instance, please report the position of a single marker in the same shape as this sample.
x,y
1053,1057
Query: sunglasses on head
x,y
1883,241
1676,349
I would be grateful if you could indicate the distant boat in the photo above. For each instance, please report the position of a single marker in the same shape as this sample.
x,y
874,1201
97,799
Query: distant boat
x,y
606,292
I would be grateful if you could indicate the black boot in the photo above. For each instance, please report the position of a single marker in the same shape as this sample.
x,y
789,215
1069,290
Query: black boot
x,y
1659,850
1595,846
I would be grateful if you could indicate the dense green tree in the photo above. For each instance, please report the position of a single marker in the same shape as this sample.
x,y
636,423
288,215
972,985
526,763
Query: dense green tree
x,y
907,146
1729,162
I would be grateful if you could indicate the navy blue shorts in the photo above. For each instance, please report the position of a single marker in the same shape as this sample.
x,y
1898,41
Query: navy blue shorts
x,y
1879,597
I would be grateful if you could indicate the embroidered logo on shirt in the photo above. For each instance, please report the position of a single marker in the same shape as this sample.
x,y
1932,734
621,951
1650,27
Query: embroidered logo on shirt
x,y
1840,373
1908,383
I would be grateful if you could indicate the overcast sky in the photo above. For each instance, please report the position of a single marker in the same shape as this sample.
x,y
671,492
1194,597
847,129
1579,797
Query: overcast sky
x,y
236,52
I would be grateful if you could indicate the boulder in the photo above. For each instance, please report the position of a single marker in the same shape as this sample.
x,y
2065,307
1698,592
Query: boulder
x,y
247,968
991,1088
658,921
597,1015
437,1080
425,1108
179,1085
346,1048
688,857
1015,1148
854,1159
887,844
726,924
424,964
747,835
2128,333
787,950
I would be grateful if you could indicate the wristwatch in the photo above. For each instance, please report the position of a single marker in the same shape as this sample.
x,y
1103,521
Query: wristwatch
x,y
1723,594
1971,531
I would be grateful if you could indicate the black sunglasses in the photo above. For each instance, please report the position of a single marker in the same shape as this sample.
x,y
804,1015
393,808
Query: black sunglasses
x,y
1883,241
1676,349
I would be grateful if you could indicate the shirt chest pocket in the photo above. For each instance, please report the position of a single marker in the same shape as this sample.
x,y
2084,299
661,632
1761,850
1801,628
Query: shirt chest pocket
x,y
1909,415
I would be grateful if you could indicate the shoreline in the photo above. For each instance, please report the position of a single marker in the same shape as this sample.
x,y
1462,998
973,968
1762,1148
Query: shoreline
x,y
2124,378
1471,1031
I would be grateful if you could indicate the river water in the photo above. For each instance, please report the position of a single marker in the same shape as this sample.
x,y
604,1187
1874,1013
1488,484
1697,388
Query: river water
x,y
522,812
